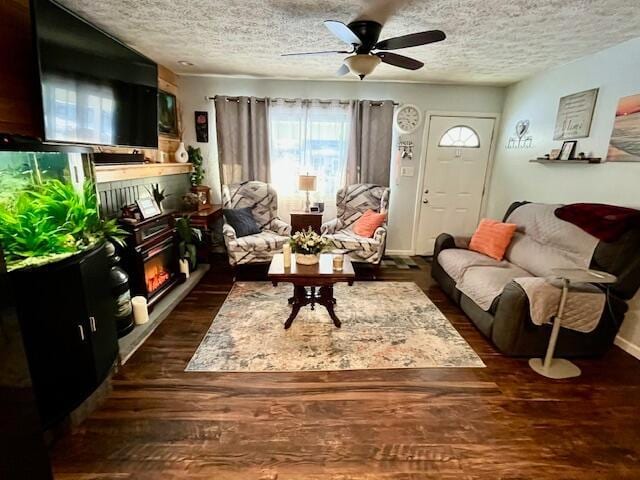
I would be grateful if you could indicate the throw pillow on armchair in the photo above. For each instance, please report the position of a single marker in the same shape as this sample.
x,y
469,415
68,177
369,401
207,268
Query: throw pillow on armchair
x,y
368,223
242,221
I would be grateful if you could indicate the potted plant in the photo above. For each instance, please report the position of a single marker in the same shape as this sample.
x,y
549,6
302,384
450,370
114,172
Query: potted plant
x,y
308,245
157,193
201,191
189,238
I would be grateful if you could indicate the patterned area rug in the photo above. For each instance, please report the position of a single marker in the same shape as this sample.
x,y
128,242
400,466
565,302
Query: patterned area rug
x,y
384,325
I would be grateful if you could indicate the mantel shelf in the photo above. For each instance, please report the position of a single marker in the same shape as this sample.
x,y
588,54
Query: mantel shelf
x,y
116,173
548,161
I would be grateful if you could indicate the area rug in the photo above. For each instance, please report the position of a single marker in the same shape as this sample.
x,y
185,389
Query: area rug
x,y
384,325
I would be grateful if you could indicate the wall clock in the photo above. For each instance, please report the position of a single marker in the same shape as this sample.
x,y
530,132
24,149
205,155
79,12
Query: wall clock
x,y
408,118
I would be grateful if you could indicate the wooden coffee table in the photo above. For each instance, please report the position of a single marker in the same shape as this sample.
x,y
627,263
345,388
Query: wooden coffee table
x,y
307,278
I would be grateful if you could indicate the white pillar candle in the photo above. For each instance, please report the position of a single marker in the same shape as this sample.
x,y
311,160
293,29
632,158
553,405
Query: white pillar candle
x,y
184,267
140,311
286,253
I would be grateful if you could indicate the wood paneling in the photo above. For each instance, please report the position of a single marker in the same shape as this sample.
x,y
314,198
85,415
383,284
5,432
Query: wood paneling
x,y
115,173
500,422
19,95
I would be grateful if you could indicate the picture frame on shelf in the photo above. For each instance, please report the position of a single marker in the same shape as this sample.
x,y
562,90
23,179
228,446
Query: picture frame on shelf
x,y
568,150
148,207
554,154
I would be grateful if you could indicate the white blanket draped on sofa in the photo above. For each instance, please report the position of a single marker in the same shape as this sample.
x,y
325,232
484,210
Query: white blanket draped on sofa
x,y
541,243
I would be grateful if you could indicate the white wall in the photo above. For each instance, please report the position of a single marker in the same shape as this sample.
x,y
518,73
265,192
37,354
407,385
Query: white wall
x,y
616,71
193,89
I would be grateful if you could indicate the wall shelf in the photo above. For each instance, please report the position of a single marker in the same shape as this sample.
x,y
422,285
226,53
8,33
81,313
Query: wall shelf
x,y
116,173
548,161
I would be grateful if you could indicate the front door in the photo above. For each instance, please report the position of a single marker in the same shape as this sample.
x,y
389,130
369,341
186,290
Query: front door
x,y
456,165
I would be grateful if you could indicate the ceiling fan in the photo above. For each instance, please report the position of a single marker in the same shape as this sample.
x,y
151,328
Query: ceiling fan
x,y
367,52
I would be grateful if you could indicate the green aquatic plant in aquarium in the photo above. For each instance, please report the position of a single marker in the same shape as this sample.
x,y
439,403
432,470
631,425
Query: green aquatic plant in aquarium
x,y
49,221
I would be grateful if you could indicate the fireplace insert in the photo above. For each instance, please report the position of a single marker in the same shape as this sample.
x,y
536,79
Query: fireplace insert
x,y
151,257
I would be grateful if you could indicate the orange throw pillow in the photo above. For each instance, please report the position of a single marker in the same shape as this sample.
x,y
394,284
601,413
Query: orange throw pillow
x,y
367,224
492,238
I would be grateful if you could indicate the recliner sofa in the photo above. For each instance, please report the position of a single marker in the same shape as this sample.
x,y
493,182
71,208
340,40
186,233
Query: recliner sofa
x,y
508,323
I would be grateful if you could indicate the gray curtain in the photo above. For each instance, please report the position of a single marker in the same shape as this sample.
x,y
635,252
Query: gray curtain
x,y
242,128
369,159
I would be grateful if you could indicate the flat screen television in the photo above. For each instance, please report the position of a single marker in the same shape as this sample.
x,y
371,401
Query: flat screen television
x,y
95,89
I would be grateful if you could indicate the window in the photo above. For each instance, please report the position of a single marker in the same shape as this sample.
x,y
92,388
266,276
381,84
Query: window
x,y
309,137
460,136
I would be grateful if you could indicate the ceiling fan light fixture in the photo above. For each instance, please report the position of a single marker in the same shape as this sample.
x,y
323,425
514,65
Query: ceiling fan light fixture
x,y
362,65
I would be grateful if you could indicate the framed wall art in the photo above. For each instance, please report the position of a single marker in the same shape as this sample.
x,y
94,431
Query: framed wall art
x,y
624,145
167,114
202,126
575,113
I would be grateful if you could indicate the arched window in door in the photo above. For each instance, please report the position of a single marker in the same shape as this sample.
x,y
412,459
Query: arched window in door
x,y
460,136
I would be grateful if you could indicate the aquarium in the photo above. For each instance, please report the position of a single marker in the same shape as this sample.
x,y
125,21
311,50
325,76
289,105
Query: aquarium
x,y
48,207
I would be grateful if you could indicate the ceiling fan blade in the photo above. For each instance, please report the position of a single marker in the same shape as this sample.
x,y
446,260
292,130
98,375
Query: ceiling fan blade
x,y
400,60
411,40
314,53
343,70
343,32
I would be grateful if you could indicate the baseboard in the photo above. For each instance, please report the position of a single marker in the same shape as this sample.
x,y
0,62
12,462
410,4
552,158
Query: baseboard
x,y
400,253
628,347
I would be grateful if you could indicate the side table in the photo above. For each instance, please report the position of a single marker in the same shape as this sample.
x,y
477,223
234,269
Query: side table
x,y
303,220
558,368
203,220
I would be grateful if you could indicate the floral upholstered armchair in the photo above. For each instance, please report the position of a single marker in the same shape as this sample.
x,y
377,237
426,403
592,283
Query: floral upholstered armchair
x,y
274,233
351,202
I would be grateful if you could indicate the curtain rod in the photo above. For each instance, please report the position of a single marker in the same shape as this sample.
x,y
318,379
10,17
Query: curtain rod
x,y
293,100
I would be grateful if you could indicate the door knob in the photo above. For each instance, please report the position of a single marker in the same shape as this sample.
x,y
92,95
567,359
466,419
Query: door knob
x,y
426,191
425,201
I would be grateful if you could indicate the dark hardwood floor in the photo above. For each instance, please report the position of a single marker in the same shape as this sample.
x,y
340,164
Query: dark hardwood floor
x,y
500,422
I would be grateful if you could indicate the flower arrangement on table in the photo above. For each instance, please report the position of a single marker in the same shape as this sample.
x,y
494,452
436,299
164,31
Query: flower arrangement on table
x,y
307,245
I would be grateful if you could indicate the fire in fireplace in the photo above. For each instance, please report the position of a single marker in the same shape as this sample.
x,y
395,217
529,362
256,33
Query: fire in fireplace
x,y
156,274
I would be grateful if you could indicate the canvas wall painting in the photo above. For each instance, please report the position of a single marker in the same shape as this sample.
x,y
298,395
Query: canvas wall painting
x,y
624,145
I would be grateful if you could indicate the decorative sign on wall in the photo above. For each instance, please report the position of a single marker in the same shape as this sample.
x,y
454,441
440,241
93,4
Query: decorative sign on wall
x,y
574,115
521,139
202,127
624,145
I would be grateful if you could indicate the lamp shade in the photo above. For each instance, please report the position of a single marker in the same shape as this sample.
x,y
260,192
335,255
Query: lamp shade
x,y
307,183
362,64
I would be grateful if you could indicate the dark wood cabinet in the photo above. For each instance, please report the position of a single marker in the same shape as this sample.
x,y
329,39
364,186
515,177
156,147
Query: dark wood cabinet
x,y
303,220
69,331
22,454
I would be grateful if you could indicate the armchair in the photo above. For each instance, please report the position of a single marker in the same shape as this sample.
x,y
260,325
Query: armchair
x,y
351,202
274,233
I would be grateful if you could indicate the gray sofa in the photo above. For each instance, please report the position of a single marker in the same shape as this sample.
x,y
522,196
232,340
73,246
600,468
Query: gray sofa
x,y
507,322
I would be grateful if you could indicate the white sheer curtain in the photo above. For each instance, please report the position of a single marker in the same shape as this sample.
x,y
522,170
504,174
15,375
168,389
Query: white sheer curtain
x,y
308,137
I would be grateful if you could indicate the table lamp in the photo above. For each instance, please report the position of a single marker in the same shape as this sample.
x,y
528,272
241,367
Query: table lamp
x,y
307,183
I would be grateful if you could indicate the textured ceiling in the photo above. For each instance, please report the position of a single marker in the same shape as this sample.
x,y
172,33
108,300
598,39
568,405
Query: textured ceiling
x,y
489,41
